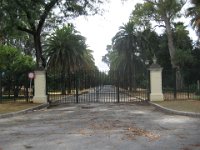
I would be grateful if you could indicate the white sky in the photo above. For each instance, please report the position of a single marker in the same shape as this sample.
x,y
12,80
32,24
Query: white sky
x,y
99,30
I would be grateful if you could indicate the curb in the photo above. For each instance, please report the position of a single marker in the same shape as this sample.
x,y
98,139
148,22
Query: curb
x,y
23,111
176,112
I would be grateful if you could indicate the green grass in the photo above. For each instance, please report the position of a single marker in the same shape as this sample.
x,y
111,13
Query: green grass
x,y
14,107
182,105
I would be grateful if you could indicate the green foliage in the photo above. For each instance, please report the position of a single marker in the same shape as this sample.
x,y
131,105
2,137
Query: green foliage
x,y
141,15
183,57
183,43
14,68
164,12
7,56
12,60
160,9
34,17
66,49
162,53
106,57
131,47
129,51
194,13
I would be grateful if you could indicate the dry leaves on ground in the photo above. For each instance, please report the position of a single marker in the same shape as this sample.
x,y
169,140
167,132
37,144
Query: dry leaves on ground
x,y
132,132
129,131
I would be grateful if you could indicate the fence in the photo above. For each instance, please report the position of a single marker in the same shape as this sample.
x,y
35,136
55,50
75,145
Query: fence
x,y
15,87
96,86
181,84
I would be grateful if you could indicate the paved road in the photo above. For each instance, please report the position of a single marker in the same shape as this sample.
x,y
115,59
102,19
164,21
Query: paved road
x,y
105,93
100,127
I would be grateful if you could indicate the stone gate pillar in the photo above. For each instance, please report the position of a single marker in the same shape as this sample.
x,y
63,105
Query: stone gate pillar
x,y
156,93
40,87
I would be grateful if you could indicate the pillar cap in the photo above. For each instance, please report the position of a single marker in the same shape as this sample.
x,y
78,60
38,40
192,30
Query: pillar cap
x,y
155,65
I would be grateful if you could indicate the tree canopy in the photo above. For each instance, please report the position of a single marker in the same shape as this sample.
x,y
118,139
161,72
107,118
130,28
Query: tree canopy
x,y
164,12
66,49
194,13
33,16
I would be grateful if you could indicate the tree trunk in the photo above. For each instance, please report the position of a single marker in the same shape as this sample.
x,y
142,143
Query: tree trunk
x,y
170,42
69,87
16,91
69,84
172,49
38,50
9,86
134,77
63,82
1,94
179,79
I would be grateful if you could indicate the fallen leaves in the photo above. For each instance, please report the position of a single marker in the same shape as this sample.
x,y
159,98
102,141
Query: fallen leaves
x,y
132,132
129,131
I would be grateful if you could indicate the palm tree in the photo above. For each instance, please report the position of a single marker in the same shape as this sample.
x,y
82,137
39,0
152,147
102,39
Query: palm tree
x,y
64,48
66,52
125,43
194,13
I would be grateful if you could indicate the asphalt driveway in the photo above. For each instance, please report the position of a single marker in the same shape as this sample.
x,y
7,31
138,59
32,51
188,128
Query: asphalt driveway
x,y
100,127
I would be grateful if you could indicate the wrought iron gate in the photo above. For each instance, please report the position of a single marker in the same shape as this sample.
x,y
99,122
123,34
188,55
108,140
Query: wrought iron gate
x,y
94,86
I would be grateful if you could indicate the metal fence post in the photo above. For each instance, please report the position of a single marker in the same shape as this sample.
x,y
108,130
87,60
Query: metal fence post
x,y
26,91
188,91
76,81
47,87
148,85
0,87
175,89
118,99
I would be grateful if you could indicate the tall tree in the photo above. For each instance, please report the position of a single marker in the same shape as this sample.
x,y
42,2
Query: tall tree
x,y
31,16
125,42
164,12
67,53
183,45
67,49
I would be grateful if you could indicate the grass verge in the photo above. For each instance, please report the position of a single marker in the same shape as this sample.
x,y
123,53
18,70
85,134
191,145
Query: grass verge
x,y
183,105
14,107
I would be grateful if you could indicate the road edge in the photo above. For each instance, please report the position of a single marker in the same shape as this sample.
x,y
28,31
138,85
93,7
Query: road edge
x,y
7,115
176,112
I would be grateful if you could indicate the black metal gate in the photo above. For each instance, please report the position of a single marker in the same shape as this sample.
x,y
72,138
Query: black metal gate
x,y
95,86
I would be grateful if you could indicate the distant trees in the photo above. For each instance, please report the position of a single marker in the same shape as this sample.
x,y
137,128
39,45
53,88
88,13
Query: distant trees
x,y
164,12
14,67
26,25
129,51
173,48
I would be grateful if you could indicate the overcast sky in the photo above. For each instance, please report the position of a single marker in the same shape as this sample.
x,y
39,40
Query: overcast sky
x,y
99,30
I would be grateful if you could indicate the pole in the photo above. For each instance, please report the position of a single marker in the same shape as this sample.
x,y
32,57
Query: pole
x,y
118,98
175,85
0,87
148,85
30,89
76,80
